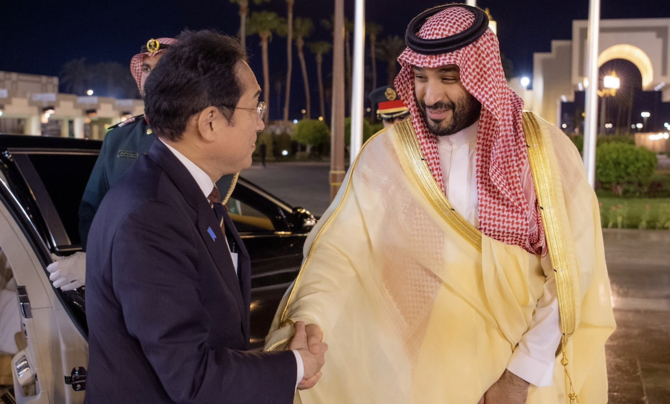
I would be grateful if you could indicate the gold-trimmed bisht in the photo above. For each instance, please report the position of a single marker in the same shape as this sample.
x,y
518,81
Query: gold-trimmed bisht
x,y
563,263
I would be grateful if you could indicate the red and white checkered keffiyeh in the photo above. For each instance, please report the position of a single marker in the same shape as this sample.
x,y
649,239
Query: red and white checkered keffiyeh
x,y
508,207
136,61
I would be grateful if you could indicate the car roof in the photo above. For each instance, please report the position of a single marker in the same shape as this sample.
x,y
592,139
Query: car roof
x,y
41,142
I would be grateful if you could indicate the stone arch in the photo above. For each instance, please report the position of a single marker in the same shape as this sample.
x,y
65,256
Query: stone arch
x,y
634,55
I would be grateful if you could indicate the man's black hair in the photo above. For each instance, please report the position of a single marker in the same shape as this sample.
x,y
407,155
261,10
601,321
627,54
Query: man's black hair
x,y
197,72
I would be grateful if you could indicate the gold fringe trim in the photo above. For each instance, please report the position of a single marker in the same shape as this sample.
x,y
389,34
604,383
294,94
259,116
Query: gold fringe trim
x,y
233,183
431,190
545,182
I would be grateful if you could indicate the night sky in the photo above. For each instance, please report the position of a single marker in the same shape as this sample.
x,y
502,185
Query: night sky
x,y
40,36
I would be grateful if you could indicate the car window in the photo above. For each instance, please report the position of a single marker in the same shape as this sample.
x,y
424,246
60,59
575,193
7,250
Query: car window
x,y
65,176
248,219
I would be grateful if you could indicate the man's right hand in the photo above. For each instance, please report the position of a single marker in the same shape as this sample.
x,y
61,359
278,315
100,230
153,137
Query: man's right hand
x,y
312,355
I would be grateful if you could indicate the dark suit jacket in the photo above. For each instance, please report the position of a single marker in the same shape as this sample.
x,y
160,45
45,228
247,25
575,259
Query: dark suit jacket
x,y
168,318
123,144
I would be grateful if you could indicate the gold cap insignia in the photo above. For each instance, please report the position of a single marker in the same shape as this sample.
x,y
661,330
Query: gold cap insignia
x,y
153,45
390,94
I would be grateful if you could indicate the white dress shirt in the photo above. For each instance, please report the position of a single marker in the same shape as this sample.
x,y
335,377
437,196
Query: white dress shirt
x,y
533,360
207,186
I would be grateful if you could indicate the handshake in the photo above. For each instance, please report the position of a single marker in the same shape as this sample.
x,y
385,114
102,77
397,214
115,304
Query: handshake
x,y
307,341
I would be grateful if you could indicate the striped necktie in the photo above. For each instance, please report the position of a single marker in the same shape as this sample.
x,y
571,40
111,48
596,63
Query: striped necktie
x,y
214,199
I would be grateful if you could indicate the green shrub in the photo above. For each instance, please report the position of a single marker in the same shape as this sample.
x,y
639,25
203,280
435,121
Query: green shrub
x,y
377,127
578,140
619,165
367,131
311,132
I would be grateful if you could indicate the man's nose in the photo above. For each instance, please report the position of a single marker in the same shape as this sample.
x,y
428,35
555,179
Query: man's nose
x,y
433,95
260,125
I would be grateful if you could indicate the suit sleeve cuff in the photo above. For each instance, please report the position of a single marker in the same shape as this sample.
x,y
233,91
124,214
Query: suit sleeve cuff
x,y
301,368
531,370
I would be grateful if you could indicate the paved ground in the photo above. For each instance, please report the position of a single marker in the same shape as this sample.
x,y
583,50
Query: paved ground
x,y
638,353
300,184
639,266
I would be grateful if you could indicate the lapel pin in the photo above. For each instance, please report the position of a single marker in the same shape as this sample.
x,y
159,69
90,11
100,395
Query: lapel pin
x,y
211,233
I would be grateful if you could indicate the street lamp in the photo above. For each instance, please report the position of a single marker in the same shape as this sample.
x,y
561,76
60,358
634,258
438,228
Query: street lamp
x,y
525,81
611,83
89,93
646,116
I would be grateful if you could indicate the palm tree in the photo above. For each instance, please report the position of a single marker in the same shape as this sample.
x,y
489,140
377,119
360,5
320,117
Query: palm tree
x,y
319,49
263,24
373,30
348,29
389,49
75,76
289,55
244,11
302,28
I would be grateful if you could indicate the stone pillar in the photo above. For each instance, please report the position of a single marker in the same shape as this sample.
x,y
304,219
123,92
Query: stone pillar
x,y
95,131
65,127
78,128
33,126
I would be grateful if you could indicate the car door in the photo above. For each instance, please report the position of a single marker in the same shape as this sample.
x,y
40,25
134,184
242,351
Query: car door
x,y
40,190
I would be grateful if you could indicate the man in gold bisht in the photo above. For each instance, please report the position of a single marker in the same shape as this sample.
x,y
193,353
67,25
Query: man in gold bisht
x,y
438,273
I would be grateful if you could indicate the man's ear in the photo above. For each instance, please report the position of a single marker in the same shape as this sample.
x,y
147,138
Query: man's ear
x,y
206,121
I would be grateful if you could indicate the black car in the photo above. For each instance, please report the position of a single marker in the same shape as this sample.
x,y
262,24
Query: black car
x,y
42,181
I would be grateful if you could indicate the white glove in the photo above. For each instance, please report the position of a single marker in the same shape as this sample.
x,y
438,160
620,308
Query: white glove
x,y
68,273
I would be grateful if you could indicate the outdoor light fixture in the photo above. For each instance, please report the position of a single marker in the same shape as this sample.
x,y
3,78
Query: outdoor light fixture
x,y
525,81
284,153
645,114
659,136
2,110
564,126
304,111
612,82
321,118
48,110
295,121
639,126
89,93
608,125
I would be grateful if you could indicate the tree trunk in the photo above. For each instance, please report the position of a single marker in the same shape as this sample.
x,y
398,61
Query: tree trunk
x,y
392,69
289,55
322,101
347,47
373,57
337,117
300,43
265,37
244,10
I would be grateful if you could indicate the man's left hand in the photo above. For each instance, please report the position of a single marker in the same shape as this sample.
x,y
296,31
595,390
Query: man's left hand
x,y
509,389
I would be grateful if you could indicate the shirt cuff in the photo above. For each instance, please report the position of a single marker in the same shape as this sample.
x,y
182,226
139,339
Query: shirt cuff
x,y
531,370
301,368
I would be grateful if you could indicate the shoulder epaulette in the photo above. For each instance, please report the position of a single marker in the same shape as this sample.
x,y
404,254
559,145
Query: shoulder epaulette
x,y
126,122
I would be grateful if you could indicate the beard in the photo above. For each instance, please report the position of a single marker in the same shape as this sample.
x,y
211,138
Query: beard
x,y
465,112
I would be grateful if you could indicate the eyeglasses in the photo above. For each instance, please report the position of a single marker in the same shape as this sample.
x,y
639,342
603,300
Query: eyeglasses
x,y
260,109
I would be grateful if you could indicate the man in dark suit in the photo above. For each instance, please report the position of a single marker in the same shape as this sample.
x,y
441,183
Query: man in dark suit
x,y
168,277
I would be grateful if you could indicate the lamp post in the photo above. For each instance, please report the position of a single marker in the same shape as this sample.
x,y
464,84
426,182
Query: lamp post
x,y
591,124
611,84
646,116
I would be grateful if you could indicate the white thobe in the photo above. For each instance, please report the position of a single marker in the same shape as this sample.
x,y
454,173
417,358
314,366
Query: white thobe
x,y
533,360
